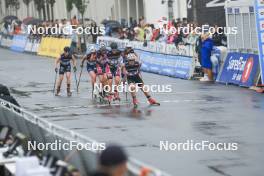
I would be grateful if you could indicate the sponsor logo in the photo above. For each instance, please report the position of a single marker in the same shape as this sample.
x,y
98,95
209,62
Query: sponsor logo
x,y
247,70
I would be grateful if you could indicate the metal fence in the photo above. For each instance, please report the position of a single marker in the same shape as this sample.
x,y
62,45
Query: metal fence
x,y
241,14
40,130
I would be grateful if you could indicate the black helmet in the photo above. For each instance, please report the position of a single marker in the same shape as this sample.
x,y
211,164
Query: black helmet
x,y
67,49
114,45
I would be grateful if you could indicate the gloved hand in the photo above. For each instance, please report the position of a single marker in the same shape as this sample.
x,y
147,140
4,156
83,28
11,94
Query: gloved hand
x,y
81,65
74,69
56,69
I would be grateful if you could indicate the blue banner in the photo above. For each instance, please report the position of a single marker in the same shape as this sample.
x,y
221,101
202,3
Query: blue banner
x,y
168,65
259,6
240,69
19,43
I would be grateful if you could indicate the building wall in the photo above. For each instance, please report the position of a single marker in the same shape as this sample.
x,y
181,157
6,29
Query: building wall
x,y
98,10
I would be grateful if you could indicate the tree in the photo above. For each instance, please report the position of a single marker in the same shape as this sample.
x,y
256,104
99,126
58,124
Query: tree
x,y
69,7
40,4
52,2
13,5
27,2
81,7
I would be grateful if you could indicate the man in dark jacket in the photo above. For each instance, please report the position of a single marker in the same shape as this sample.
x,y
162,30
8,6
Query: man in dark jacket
x,y
112,162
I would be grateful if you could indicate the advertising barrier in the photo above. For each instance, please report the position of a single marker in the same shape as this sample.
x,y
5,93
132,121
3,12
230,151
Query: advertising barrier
x,y
259,6
240,69
6,40
0,39
29,45
52,47
168,65
18,43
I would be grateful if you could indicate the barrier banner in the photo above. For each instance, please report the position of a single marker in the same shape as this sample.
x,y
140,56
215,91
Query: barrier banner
x,y
35,46
240,69
168,65
259,6
52,47
43,47
29,45
6,41
19,43
0,39
157,47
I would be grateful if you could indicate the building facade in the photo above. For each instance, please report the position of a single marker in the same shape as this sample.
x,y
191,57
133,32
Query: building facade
x,y
99,10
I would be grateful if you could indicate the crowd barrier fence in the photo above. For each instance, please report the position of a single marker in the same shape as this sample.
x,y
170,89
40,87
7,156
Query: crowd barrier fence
x,y
160,58
52,47
45,46
40,130
155,47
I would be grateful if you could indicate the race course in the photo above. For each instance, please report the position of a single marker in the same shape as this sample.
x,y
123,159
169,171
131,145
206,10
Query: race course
x,y
192,111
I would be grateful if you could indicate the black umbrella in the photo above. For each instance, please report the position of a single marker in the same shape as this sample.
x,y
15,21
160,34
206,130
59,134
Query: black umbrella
x,y
113,24
9,18
33,21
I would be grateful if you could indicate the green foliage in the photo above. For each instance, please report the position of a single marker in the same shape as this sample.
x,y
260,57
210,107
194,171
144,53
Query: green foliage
x,y
69,5
80,5
26,2
39,4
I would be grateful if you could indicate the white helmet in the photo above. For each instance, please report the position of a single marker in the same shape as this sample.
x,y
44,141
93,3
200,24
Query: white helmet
x,y
131,57
92,49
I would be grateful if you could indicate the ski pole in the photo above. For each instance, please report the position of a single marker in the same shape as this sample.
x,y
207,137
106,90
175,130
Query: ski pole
x,y
75,76
55,82
79,80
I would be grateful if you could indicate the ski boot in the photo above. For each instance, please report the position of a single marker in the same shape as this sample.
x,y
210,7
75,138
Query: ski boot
x,y
153,102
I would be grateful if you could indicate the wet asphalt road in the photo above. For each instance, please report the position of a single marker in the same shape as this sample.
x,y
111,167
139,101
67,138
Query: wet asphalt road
x,y
193,111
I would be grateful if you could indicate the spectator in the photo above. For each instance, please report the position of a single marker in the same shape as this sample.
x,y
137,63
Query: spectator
x,y
139,33
207,47
219,37
112,162
74,21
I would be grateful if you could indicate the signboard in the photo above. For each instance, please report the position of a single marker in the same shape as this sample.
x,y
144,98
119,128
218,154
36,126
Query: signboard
x,y
168,65
259,6
19,43
240,69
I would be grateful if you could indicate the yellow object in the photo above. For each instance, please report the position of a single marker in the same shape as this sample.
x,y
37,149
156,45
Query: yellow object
x,y
52,47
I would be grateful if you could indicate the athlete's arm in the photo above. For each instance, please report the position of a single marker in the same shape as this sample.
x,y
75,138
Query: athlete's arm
x,y
74,61
57,61
83,59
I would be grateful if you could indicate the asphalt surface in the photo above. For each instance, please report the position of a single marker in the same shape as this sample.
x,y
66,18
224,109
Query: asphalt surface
x,y
192,111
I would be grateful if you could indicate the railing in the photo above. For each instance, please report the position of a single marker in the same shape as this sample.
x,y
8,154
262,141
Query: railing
x,y
40,130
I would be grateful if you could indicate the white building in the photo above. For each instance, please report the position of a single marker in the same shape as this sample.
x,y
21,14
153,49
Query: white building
x,y
99,10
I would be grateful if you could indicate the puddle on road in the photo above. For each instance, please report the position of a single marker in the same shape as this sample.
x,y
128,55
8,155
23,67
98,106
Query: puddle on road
x,y
19,92
209,128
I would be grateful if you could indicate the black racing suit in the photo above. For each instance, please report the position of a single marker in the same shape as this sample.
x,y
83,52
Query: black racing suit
x,y
114,62
102,62
133,72
91,64
65,64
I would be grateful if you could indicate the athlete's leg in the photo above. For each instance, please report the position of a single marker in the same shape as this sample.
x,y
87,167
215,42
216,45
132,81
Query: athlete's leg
x,y
68,76
59,84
